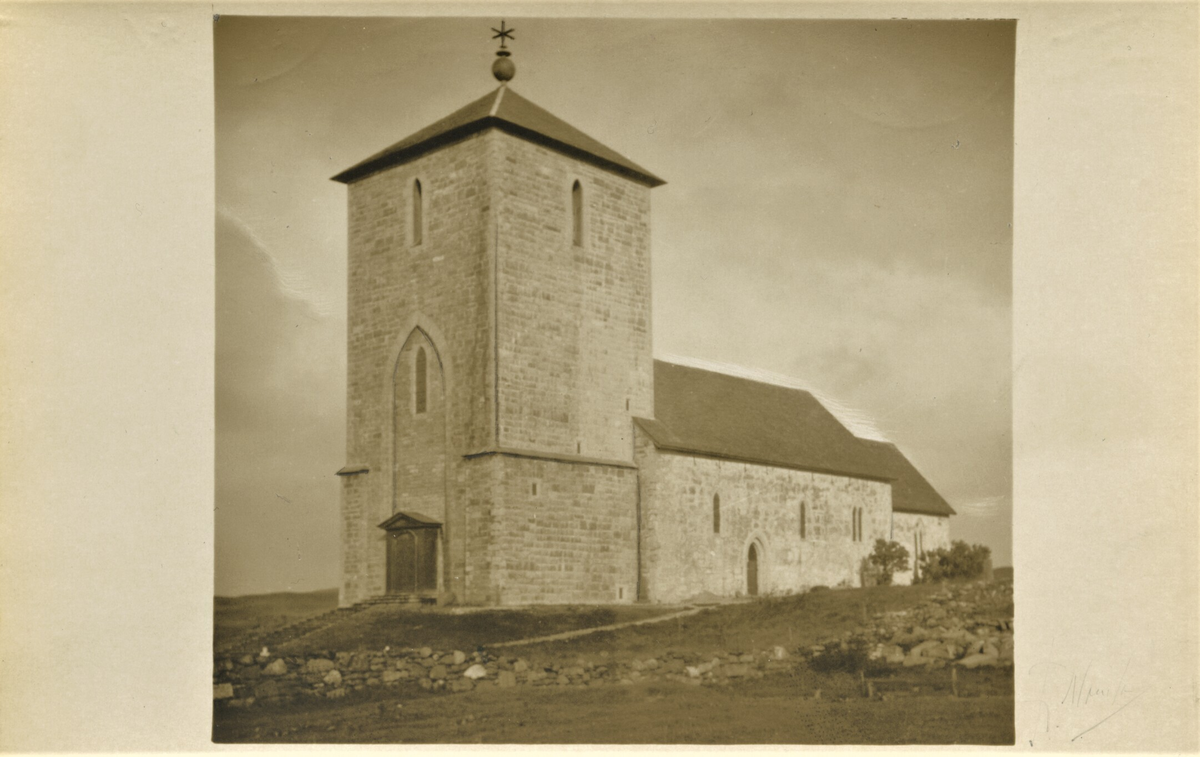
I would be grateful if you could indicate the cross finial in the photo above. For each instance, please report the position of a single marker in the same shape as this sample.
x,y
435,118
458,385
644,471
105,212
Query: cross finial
x,y
503,34
503,68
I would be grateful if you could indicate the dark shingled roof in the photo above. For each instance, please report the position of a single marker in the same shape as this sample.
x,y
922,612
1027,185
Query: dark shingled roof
x,y
709,413
505,110
911,493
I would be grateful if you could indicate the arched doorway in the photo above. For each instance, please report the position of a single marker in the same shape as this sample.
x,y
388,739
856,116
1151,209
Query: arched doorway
x,y
752,571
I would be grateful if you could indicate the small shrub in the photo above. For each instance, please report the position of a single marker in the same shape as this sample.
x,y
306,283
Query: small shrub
x,y
851,659
962,560
888,558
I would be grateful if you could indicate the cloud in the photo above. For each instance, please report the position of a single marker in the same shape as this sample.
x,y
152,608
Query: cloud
x,y
280,432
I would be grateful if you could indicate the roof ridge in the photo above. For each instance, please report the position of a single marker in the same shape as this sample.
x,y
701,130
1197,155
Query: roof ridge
x,y
499,98
505,109
756,380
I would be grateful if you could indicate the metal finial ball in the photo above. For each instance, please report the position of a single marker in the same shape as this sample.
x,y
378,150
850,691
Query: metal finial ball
x,y
504,69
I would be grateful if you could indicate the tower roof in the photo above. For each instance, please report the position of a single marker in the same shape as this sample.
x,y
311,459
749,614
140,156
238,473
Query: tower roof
x,y
503,109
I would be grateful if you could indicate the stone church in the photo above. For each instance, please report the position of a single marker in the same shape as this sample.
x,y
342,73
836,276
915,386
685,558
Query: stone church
x,y
511,438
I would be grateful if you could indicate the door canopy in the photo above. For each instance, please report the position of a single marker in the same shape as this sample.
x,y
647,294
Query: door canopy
x,y
406,521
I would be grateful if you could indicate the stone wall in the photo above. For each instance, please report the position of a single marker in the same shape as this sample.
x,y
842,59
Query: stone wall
x,y
570,364
419,447
683,557
918,533
966,625
575,358
555,532
396,286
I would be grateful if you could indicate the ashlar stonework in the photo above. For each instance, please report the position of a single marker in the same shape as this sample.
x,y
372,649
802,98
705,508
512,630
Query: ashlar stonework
x,y
510,437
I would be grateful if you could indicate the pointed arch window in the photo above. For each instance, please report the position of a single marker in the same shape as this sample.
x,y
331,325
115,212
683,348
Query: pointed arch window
x,y
716,513
803,521
577,214
418,212
420,377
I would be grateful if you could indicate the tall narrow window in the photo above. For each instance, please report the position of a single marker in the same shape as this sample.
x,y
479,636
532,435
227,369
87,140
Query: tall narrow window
x,y
419,380
577,214
803,519
860,530
418,212
916,558
716,513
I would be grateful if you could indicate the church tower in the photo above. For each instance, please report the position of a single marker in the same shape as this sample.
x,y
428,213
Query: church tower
x,y
499,345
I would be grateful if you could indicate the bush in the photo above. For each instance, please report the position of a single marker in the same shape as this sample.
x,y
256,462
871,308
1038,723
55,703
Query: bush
x,y
962,560
888,558
853,658
850,659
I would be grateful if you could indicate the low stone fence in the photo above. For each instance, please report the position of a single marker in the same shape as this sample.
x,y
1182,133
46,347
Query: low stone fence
x,y
947,629
260,678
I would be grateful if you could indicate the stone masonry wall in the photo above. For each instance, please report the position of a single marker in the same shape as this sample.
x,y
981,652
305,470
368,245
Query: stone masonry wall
x,y
575,358
395,286
683,557
572,353
420,437
559,533
918,533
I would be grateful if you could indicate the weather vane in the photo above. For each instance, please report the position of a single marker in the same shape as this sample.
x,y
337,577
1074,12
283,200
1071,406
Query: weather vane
x,y
503,69
502,34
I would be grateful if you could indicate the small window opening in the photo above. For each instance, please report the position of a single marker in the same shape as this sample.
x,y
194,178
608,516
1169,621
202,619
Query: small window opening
x,y
418,212
626,403
716,513
803,520
578,448
534,488
620,592
419,380
577,214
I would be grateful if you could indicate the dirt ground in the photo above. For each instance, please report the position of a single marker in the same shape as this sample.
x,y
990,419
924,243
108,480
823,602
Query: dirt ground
x,y
773,710
912,705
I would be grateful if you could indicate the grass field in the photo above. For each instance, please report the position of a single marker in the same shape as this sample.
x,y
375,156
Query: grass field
x,y
234,616
439,628
789,622
774,710
782,708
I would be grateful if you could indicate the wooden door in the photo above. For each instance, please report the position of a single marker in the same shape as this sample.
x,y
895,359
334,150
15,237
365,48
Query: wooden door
x,y
752,572
412,560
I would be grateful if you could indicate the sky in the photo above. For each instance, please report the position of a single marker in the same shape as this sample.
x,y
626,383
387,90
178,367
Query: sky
x,y
838,212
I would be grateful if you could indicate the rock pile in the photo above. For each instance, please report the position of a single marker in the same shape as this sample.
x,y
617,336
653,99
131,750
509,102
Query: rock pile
x,y
959,625
952,627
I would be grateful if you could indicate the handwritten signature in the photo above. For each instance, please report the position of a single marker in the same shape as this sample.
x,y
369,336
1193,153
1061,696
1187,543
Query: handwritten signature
x,y
1088,689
